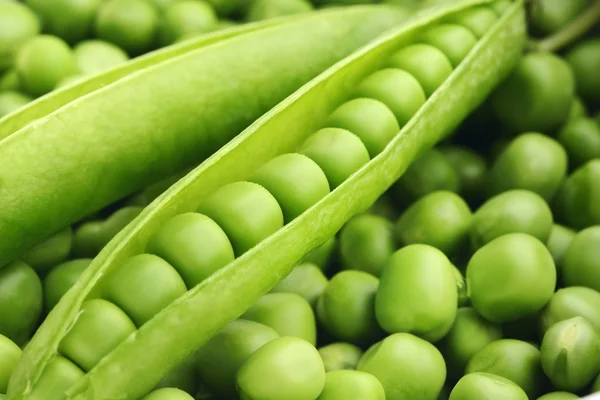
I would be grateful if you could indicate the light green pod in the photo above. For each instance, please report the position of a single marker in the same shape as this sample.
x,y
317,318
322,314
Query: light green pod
x,y
95,56
571,302
581,139
51,252
477,19
578,201
168,394
559,241
61,278
417,293
10,354
559,396
59,375
306,280
351,385
581,261
455,41
484,386
340,355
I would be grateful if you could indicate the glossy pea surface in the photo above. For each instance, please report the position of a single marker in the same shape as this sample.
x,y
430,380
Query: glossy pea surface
x,y
485,386
584,60
581,261
59,375
10,354
60,279
184,18
12,100
578,201
50,252
17,25
455,41
477,19
94,56
351,385
471,169
306,280
168,394
266,9
559,241
571,302
340,355
581,139
559,396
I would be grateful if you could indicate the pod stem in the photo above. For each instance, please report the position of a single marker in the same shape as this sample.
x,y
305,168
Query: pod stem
x,y
571,32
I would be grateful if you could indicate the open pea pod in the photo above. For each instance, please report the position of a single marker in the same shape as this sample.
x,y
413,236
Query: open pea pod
x,y
243,236
161,119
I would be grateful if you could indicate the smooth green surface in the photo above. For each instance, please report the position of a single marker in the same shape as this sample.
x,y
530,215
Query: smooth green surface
x,y
50,252
267,9
168,394
478,20
578,201
454,40
62,278
581,261
484,386
548,16
351,385
559,396
12,100
571,302
558,242
94,56
581,138
584,60
306,280
18,24
340,355
184,18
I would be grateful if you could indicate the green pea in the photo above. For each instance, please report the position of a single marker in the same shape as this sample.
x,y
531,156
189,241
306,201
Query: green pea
x,y
571,302
471,169
366,243
322,255
538,94
407,367
43,62
59,375
371,120
351,385
168,394
219,360
62,278
584,59
500,6
346,307
340,355
338,152
10,354
11,101
306,280
417,293
286,368
246,212
581,138
517,261
571,354
558,242
185,17
20,301
18,24
296,182
548,16
267,9
440,219
100,327
559,396
455,41
514,211
531,161
95,56
428,64
461,288
484,386
581,261
9,80
512,359
477,19
195,260
71,20
143,286
52,251
578,109
577,202
395,88
183,377
130,24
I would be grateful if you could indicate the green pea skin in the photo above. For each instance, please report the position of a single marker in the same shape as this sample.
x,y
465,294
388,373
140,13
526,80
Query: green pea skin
x,y
130,24
471,169
395,88
306,280
219,360
558,242
52,251
584,59
62,278
18,24
340,355
500,6
578,201
260,10
371,120
351,385
286,368
20,301
559,396
578,109
95,56
59,375
185,17
10,354
571,302
287,313
428,64
406,366
366,243
548,16
246,212
514,211
296,182
537,96
168,394
346,307
11,100
455,41
9,80
531,161
477,19
571,354
484,386
581,262
176,241
322,255
581,138
183,377
143,286
338,152
517,261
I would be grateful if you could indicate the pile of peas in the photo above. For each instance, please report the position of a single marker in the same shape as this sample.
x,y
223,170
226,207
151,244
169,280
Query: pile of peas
x,y
476,276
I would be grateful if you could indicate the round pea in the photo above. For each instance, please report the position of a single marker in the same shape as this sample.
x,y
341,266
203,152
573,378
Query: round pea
x,y
219,360
571,302
559,396
267,9
143,286
18,24
52,251
43,62
246,211
11,101
474,386
306,280
571,354
371,120
186,17
10,354
455,41
531,161
514,211
559,241
549,16
20,301
9,80
471,169
581,261
168,394
338,152
476,19
351,385
517,261
578,201
408,367
366,243
584,59
286,368
296,182
130,24
195,260
95,56
59,375
62,278
346,307
322,255
581,138
340,355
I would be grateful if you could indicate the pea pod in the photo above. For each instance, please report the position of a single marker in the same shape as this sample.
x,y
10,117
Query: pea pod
x,y
130,370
